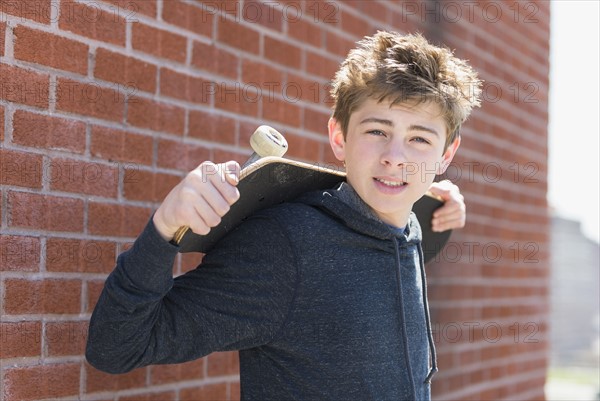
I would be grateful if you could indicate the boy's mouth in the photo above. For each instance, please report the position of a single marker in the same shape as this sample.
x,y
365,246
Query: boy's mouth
x,y
389,183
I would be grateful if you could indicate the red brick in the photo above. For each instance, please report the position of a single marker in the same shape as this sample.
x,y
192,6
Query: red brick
x,y
133,74
316,121
217,391
156,116
281,111
36,10
41,382
118,145
47,49
100,381
65,338
263,75
74,255
131,9
234,391
20,339
1,124
181,156
212,127
163,374
188,16
92,22
375,10
189,261
160,43
282,53
321,66
94,288
45,212
83,177
47,296
303,148
304,31
23,86
219,61
117,219
20,169
323,12
166,396
230,8
90,99
357,26
19,253
220,156
223,363
2,35
184,87
237,99
263,14
297,88
231,32
337,44
46,132
149,186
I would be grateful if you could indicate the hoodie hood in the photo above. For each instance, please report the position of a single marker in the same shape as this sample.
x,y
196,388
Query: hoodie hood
x,y
345,205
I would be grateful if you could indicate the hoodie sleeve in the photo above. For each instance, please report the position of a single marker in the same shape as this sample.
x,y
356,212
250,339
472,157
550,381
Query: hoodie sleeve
x,y
237,298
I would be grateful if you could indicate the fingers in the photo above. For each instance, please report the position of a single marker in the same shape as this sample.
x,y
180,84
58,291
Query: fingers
x,y
452,214
439,224
444,189
200,200
224,177
214,188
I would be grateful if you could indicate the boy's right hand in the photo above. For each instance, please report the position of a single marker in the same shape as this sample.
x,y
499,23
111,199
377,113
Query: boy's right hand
x,y
199,200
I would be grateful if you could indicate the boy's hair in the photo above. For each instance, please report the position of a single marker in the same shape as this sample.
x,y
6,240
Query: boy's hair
x,y
389,66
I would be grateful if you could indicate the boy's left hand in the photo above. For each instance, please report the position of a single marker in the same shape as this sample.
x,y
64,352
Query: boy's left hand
x,y
453,213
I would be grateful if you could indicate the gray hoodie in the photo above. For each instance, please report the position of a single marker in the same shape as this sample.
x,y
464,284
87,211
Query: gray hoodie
x,y
322,299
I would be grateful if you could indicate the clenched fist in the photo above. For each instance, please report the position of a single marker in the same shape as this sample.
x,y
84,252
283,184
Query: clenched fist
x,y
199,200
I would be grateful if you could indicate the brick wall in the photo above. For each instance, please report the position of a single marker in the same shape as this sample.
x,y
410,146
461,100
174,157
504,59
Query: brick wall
x,y
104,105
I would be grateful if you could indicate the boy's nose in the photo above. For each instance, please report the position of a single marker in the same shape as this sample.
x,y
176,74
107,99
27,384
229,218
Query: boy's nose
x,y
393,155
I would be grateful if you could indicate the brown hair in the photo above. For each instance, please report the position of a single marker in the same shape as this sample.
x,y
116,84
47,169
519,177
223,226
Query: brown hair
x,y
397,68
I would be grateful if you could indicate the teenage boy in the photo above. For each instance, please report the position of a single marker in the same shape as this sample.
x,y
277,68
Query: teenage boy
x,y
325,296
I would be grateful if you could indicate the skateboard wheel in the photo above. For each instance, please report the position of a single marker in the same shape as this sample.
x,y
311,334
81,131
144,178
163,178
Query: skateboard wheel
x,y
267,141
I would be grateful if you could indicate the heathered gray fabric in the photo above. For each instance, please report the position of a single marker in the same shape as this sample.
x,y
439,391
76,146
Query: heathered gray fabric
x,y
323,300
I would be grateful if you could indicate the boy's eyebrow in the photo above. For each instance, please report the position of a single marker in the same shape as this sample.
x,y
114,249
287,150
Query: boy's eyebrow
x,y
423,128
377,120
413,127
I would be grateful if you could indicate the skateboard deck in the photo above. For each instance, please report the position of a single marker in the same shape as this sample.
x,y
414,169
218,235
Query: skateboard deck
x,y
273,180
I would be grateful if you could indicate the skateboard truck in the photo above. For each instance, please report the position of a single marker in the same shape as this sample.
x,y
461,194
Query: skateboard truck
x,y
265,141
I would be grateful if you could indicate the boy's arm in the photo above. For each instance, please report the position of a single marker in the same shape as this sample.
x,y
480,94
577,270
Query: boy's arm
x,y
453,213
237,298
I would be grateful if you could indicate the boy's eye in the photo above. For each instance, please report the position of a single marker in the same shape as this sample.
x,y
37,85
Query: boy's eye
x,y
420,139
376,132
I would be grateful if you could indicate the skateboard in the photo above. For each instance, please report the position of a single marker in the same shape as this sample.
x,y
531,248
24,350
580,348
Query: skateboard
x,y
268,179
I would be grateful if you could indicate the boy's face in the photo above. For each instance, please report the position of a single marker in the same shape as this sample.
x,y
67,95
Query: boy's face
x,y
392,154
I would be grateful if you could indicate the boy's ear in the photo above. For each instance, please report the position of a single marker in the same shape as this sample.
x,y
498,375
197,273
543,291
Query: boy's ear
x,y
336,139
448,156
